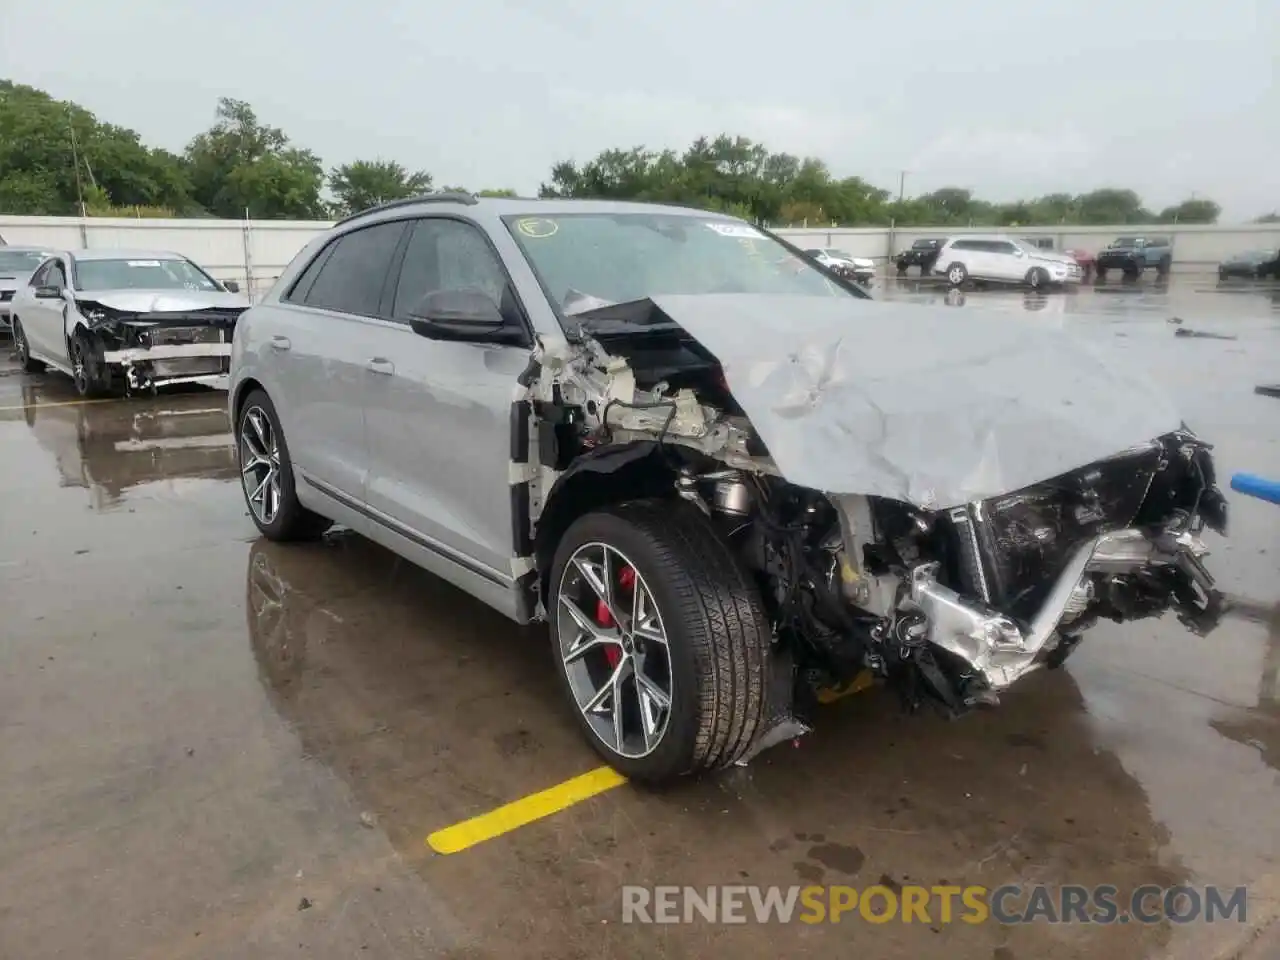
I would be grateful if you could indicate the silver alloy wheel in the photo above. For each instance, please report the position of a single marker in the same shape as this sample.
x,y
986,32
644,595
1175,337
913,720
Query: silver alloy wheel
x,y
78,371
20,344
260,464
956,275
614,649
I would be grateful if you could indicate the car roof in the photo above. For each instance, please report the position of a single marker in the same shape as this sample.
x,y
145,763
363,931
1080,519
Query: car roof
x,y
527,206
11,248
106,253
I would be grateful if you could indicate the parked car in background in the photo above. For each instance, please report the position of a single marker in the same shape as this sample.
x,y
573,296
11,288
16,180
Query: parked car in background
x,y
125,320
1083,257
862,269
16,265
1134,255
1003,259
593,413
1252,264
922,253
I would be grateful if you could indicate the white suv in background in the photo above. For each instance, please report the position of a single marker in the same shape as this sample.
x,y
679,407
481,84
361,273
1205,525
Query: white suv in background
x,y
1004,259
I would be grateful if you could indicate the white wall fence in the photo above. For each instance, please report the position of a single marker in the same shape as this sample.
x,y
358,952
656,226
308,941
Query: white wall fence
x,y
251,252
255,252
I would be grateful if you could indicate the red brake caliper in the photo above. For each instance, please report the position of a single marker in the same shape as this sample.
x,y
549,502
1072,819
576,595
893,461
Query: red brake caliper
x,y
627,580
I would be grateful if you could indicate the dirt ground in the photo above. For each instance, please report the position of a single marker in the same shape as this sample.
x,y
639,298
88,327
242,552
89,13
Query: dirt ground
x,y
211,746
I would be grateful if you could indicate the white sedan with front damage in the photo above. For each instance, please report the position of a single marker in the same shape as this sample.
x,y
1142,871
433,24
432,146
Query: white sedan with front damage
x,y
125,321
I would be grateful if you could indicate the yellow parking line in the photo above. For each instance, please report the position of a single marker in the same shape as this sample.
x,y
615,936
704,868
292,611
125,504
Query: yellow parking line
x,y
524,811
863,681
62,403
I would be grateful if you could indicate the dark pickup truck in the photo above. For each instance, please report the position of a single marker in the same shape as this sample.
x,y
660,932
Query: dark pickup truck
x,y
922,253
1133,255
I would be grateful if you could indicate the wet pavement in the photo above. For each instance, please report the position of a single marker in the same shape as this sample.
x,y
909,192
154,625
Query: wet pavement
x,y
211,746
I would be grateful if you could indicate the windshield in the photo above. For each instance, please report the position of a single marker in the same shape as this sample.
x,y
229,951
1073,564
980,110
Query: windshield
x,y
836,254
141,275
1028,246
924,244
630,256
23,260
1127,242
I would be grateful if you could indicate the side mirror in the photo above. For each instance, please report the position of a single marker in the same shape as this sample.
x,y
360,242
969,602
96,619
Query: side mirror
x,y
466,315
231,286
48,293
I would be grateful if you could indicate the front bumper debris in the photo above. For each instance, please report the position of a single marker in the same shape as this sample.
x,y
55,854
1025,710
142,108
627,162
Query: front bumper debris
x,y
1001,651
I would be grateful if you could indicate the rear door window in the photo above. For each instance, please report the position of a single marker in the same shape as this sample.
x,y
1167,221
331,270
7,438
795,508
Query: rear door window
x,y
352,278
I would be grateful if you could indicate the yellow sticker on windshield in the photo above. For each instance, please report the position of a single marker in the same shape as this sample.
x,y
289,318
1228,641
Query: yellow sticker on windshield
x,y
537,227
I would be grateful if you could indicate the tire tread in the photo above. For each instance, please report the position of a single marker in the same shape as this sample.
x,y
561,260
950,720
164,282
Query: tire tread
x,y
727,627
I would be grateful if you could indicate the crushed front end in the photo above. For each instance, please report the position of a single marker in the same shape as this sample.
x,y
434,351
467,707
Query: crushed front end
x,y
157,349
949,605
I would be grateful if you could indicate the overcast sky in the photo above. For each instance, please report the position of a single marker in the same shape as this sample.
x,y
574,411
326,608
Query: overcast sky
x,y
1011,98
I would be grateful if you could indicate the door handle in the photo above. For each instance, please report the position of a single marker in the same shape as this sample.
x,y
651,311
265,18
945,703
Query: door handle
x,y
280,343
382,365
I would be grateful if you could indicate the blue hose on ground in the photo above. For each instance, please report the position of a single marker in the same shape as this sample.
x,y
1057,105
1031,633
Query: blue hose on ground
x,y
1255,486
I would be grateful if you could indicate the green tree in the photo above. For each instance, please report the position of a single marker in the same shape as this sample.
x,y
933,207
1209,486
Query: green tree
x,y
239,164
1110,205
366,183
45,143
1195,210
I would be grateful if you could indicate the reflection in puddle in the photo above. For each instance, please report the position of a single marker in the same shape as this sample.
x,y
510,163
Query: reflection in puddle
x,y
113,447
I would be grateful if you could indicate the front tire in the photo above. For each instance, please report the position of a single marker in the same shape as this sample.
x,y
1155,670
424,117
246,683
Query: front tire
x,y
651,610
1037,278
90,373
23,349
1099,274
957,274
266,475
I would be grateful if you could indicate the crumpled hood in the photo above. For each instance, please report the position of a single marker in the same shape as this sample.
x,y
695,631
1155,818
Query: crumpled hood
x,y
164,301
914,403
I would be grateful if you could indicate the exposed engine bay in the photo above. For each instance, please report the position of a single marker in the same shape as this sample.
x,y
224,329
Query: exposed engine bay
x,y
951,602
163,348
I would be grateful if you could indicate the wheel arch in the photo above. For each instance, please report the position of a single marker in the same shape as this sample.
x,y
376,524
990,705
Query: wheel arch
x,y
243,389
605,476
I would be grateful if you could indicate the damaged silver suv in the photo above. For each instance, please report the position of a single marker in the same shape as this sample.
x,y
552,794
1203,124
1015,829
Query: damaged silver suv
x,y
725,477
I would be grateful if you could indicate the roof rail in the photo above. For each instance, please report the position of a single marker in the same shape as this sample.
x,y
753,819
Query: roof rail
x,y
452,196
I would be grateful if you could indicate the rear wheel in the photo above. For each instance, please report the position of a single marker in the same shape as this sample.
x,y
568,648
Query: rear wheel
x,y
660,638
957,274
266,475
1099,274
1162,268
23,349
